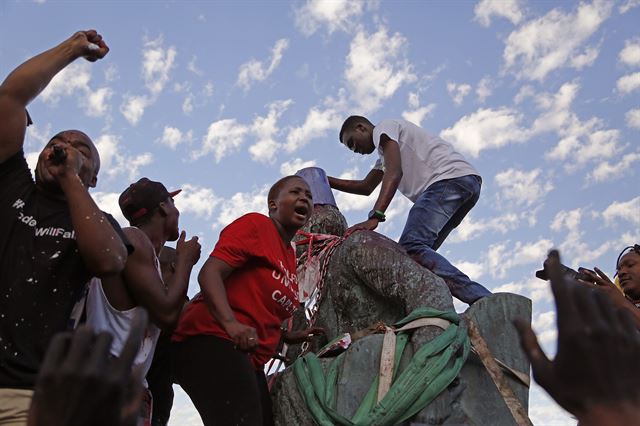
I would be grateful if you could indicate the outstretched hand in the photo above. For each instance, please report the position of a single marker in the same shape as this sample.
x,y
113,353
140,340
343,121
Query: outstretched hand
x,y
80,383
89,44
594,374
369,225
301,336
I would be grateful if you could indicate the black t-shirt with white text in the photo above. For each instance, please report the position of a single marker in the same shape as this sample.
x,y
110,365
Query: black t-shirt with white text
x,y
41,272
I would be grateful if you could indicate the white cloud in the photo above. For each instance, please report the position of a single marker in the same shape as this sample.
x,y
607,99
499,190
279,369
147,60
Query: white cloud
x,y
133,108
584,143
544,325
172,137
475,270
569,220
580,141
265,130
632,117
524,92
32,160
352,202
72,79
38,134
500,258
417,113
227,136
377,66
625,210
199,201
533,50
156,64
585,59
254,70
208,89
187,104
132,164
115,161
111,72
97,102
316,125
606,170
578,252
523,187
241,203
191,66
556,108
486,129
223,137
291,167
398,208
628,83
484,89
335,15
108,202
509,9
628,5
534,288
630,55
471,228
458,92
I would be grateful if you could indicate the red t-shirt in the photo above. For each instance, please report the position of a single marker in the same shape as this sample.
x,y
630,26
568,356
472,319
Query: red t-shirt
x,y
262,290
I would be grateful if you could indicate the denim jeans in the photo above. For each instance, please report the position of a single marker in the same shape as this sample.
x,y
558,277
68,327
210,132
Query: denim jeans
x,y
436,212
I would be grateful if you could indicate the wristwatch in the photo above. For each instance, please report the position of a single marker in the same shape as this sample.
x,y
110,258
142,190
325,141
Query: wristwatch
x,y
377,214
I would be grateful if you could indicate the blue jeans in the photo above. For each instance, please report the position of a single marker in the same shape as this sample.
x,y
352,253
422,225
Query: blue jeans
x,y
436,212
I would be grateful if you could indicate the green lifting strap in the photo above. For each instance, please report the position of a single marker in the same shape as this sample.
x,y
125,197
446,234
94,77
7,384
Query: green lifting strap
x,y
431,370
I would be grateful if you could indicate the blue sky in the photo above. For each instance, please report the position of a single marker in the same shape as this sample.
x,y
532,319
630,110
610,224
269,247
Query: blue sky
x,y
223,98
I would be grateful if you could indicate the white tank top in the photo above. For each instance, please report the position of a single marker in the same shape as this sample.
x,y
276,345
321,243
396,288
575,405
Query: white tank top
x,y
104,317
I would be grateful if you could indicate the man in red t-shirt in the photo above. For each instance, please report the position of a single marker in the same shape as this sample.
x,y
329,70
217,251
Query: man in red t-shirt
x,y
232,328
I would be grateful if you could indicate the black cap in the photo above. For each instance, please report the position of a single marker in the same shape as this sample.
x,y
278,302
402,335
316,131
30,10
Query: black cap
x,y
142,197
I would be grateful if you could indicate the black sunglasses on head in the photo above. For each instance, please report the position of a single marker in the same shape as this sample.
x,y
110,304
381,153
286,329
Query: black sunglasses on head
x,y
635,248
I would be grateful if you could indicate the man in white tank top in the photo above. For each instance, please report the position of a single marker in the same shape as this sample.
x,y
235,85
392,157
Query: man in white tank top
x,y
112,301
439,181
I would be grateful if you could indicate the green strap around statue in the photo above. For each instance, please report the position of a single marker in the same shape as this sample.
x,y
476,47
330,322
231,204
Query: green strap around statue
x,y
431,370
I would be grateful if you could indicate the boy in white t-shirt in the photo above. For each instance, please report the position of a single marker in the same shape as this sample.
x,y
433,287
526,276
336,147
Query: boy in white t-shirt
x,y
426,169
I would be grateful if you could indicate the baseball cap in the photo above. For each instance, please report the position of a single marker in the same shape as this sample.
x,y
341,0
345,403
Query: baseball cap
x,y
142,197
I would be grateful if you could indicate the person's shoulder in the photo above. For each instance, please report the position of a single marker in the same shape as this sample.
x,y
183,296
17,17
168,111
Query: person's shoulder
x,y
138,240
252,218
388,122
16,163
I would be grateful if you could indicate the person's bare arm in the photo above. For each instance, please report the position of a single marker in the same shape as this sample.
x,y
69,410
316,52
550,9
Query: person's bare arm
x,y
99,245
211,278
359,187
390,180
29,79
164,303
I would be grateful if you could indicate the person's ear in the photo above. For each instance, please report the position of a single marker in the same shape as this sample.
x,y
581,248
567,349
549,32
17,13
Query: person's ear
x,y
162,208
93,182
272,205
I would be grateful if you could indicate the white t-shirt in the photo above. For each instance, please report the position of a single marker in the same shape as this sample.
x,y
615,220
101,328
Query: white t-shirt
x,y
104,317
426,159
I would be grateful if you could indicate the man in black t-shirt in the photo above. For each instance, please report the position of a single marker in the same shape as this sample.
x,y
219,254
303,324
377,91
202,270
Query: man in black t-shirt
x,y
53,237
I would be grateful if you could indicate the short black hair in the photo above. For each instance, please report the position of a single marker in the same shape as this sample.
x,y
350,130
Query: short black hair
x,y
352,122
275,189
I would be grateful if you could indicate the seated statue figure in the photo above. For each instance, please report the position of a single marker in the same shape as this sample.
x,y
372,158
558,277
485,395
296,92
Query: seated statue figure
x,y
369,279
